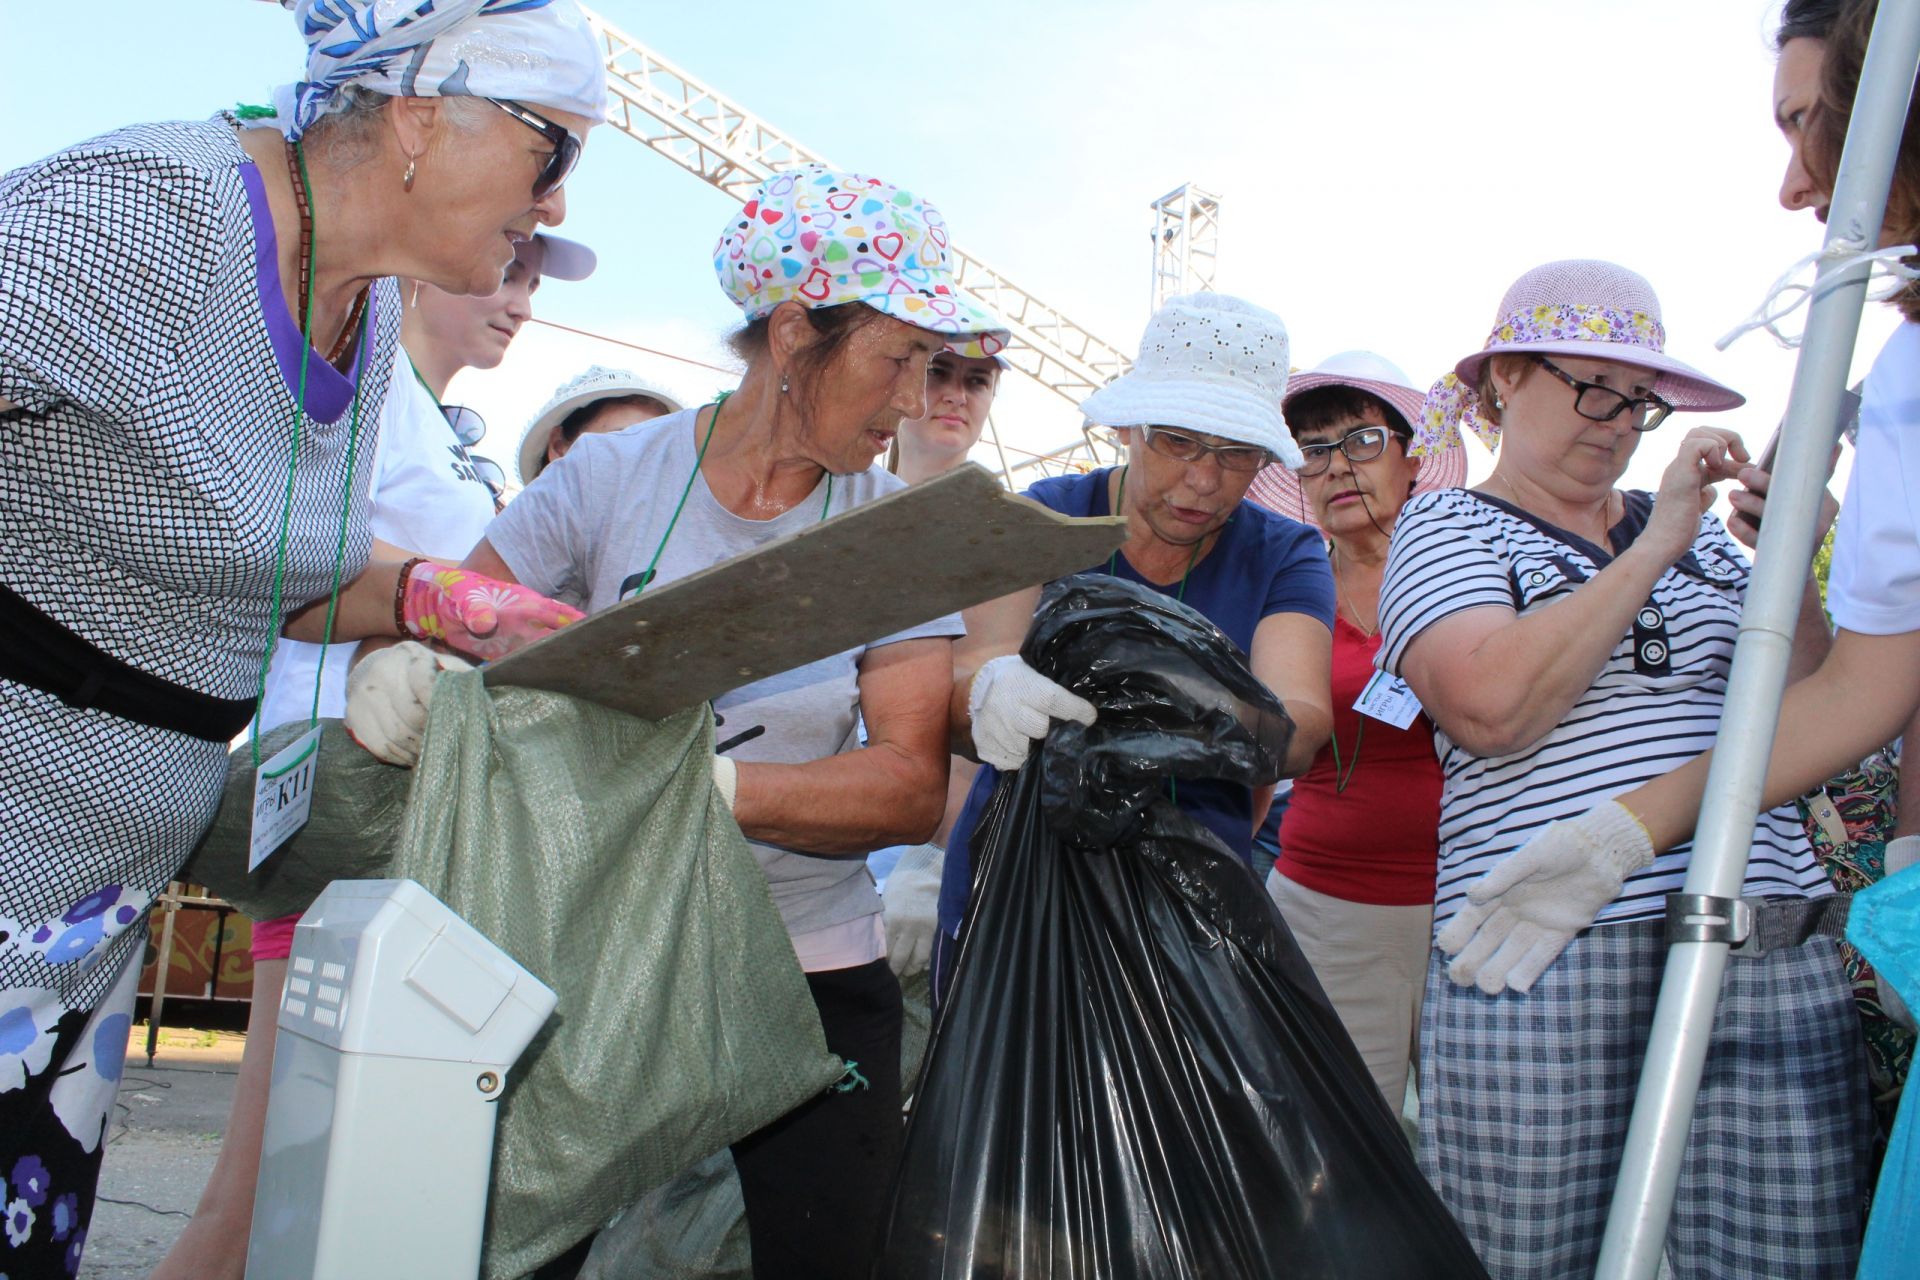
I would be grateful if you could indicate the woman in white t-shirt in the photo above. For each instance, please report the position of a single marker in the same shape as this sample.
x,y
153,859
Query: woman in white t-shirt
x,y
426,498
1569,640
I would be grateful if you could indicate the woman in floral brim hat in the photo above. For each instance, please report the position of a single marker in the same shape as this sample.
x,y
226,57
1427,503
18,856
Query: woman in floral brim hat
x,y
846,286
1570,639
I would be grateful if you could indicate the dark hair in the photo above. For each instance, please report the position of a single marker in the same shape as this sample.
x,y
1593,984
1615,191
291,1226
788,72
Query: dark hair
x,y
1807,20
1520,366
570,427
1320,408
836,327
1845,53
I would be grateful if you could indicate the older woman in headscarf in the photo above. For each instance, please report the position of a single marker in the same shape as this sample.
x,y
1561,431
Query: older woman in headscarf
x,y
197,333
846,285
1570,639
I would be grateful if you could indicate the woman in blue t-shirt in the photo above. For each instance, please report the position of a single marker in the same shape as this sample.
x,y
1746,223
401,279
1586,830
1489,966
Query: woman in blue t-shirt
x,y
1200,414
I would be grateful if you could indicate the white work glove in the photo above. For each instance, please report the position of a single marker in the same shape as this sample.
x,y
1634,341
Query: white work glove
x,y
911,905
1013,706
726,778
1523,913
387,696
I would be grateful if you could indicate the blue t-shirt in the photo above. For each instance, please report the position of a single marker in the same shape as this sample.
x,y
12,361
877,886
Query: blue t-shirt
x,y
1263,564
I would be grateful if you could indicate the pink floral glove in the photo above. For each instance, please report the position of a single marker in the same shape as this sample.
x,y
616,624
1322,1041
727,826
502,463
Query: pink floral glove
x,y
473,613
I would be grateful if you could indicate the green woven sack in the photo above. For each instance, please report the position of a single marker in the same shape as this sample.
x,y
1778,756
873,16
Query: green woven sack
x,y
590,846
351,834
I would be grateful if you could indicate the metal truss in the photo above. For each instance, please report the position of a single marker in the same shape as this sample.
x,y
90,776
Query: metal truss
x,y
1186,242
721,142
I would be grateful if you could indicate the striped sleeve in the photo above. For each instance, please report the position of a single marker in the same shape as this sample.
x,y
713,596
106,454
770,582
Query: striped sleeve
x,y
1443,560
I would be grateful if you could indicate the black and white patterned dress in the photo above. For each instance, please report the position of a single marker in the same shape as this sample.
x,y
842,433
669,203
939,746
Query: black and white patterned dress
x,y
147,348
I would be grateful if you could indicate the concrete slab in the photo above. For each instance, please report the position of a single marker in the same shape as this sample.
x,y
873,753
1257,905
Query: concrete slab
x,y
946,544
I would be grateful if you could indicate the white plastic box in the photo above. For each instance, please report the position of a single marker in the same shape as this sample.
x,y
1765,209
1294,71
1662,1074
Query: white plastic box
x,y
396,1029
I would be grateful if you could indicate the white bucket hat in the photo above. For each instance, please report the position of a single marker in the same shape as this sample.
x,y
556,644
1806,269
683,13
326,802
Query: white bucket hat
x,y
1579,307
1208,363
1278,489
597,383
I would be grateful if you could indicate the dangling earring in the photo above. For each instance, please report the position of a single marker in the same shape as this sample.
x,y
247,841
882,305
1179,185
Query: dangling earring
x,y
415,303
1498,403
783,384
406,179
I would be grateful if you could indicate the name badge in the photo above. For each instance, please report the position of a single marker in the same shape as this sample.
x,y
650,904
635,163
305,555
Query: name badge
x,y
1388,698
283,796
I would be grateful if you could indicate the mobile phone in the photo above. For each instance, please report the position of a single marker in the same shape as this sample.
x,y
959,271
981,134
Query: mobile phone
x,y
1849,431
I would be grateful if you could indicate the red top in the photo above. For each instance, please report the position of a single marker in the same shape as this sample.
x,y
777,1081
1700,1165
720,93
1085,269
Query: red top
x,y
1377,841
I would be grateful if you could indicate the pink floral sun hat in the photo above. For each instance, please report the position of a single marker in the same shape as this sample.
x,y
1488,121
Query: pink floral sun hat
x,y
1579,307
821,238
1278,489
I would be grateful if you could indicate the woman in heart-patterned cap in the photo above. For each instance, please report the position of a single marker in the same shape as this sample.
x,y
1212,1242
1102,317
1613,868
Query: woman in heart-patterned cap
x,y
845,285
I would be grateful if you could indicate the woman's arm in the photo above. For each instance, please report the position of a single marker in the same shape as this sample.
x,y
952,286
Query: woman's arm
x,y
1293,656
1497,683
994,629
1859,699
891,791
366,603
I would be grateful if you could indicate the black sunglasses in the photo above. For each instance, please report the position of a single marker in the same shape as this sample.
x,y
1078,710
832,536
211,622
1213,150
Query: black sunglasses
x,y
1596,403
566,147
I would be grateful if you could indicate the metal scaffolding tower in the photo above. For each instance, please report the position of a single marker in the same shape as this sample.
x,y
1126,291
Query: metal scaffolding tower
x,y
1186,242
718,140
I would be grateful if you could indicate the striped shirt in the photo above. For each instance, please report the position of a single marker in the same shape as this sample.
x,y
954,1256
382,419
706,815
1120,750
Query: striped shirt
x,y
1654,706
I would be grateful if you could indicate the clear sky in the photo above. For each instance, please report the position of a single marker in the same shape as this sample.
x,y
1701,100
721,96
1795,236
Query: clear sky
x,y
1387,167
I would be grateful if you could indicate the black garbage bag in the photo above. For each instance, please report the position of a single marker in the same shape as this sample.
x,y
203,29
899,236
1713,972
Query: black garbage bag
x,y
1136,1074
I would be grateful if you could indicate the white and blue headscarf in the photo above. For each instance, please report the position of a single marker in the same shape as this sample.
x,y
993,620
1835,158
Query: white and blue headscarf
x,y
540,52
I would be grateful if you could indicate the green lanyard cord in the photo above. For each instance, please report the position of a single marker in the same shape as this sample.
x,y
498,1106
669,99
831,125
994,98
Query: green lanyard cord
x,y
286,508
1341,779
646,578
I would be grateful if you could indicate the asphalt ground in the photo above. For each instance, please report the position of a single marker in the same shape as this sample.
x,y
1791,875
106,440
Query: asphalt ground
x,y
168,1123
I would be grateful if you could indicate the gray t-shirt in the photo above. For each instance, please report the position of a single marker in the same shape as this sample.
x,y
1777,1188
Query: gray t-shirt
x,y
585,530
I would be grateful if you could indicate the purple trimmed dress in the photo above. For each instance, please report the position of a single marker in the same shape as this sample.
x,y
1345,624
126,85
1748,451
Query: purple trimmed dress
x,y
143,475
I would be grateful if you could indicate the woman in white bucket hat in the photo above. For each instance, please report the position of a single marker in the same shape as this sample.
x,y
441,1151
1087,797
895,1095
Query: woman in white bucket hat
x,y
598,400
1570,640
1200,413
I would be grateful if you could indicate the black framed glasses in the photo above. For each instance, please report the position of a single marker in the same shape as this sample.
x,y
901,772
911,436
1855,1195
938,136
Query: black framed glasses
x,y
1603,404
1362,444
566,147
467,425
1182,447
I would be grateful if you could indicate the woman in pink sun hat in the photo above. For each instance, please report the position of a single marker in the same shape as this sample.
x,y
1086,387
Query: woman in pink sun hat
x,y
1569,640
1354,875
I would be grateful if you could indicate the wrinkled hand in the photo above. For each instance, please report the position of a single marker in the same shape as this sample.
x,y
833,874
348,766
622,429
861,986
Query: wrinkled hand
x,y
387,696
476,614
1707,455
1522,914
911,904
1749,503
1013,706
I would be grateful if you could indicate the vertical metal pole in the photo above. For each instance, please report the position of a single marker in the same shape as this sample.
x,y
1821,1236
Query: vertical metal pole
x,y
1683,1020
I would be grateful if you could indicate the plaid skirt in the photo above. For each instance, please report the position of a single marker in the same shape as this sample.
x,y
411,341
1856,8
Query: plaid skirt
x,y
1524,1104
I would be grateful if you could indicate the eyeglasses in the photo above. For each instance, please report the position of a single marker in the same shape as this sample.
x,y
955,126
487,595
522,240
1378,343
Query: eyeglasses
x,y
1182,447
566,147
1362,444
467,425
1603,404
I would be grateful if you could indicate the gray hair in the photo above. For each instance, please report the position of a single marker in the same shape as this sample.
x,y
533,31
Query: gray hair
x,y
349,126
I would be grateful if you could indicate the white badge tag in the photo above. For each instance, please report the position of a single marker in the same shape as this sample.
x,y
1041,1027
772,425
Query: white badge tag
x,y
1388,698
283,796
